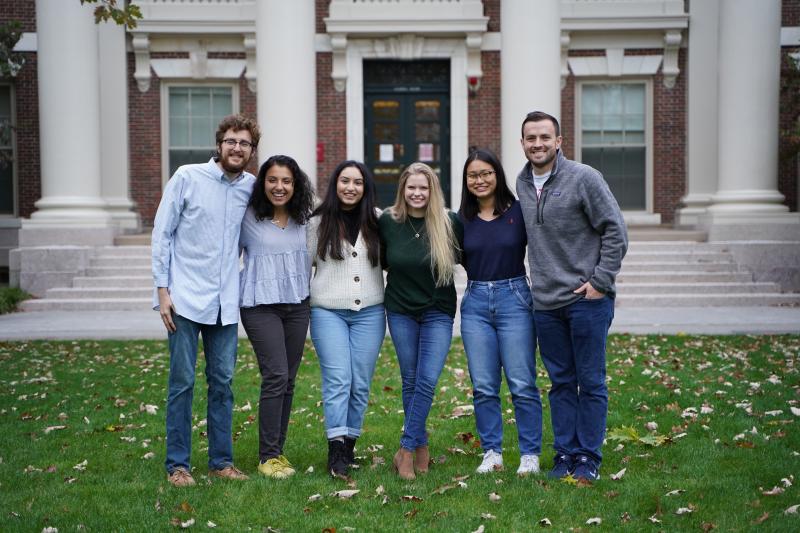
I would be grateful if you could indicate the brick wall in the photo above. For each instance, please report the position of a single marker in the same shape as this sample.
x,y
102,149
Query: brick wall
x,y
484,107
788,166
491,9
790,13
669,142
26,93
24,12
26,90
331,122
144,133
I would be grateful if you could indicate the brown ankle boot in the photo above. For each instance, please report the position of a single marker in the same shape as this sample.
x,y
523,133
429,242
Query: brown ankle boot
x,y
422,460
404,464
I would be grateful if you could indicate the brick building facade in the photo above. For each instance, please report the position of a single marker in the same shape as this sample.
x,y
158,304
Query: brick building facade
x,y
663,109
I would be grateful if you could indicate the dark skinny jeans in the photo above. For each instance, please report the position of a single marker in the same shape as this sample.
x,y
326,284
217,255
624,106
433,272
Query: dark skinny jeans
x,y
278,334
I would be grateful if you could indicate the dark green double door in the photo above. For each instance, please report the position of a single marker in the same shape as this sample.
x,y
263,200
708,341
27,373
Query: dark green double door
x,y
405,122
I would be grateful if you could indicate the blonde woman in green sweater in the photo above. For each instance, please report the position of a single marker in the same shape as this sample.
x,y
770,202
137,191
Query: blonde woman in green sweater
x,y
419,246
348,323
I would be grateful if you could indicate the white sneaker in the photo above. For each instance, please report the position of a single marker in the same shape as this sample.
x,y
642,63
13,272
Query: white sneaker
x,y
528,464
492,461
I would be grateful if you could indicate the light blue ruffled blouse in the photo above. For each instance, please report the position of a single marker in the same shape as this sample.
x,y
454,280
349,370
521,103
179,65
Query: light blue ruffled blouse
x,y
277,268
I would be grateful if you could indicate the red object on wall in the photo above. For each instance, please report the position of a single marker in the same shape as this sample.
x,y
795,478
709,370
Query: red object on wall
x,y
320,152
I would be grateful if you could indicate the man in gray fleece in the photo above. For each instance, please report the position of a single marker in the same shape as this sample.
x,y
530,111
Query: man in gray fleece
x,y
576,242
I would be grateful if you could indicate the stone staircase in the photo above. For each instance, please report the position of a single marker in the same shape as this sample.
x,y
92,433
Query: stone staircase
x,y
663,268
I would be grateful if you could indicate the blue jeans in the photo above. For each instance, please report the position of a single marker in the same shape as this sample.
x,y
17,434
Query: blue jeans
x,y
421,345
498,332
572,343
219,345
347,344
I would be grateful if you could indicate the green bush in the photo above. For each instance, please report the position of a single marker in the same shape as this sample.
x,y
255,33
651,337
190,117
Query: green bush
x,y
10,297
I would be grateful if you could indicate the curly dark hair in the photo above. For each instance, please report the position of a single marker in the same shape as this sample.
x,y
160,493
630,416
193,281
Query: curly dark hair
x,y
238,123
331,230
503,197
300,204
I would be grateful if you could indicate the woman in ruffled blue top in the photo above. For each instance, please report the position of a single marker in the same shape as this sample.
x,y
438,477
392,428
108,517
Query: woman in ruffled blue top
x,y
274,297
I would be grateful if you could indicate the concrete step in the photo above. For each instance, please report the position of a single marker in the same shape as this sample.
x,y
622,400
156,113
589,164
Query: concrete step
x,y
677,266
81,304
123,271
117,251
648,233
116,261
114,281
683,277
94,293
625,289
139,239
707,300
689,256
676,246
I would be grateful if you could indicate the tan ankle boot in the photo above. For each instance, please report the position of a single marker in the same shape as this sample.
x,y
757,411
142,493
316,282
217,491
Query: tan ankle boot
x,y
404,464
422,459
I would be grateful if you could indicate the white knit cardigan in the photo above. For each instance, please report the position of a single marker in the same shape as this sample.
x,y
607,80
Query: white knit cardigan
x,y
351,283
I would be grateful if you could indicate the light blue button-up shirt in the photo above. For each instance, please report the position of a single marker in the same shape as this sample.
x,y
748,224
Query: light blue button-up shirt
x,y
196,242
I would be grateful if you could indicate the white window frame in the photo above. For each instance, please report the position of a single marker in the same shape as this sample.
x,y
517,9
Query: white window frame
x,y
15,163
631,216
165,87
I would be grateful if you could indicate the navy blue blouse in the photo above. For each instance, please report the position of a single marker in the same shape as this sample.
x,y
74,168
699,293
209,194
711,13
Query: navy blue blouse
x,y
495,249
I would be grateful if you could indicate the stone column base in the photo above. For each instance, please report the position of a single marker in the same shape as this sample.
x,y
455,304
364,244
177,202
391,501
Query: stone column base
x,y
750,226
46,235
37,268
52,256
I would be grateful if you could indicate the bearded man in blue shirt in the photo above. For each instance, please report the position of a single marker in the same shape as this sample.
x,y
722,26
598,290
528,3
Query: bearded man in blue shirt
x,y
195,250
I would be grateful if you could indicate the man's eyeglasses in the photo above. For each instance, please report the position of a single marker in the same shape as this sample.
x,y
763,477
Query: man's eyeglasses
x,y
230,143
483,174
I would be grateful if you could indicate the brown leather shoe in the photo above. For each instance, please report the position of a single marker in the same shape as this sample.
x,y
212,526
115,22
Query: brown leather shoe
x,y
180,477
404,464
422,460
229,472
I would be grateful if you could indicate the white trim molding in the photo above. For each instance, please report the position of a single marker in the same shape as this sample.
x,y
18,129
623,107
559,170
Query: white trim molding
x,y
455,50
402,27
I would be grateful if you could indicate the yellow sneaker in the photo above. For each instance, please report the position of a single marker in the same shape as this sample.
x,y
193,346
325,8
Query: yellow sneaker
x,y
287,464
274,468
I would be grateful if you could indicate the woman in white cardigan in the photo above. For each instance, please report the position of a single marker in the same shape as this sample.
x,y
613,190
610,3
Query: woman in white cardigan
x,y
348,321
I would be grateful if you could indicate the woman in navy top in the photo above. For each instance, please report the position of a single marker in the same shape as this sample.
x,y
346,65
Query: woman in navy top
x,y
497,312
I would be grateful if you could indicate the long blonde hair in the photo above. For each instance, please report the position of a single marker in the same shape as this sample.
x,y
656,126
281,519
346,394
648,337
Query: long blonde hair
x,y
441,238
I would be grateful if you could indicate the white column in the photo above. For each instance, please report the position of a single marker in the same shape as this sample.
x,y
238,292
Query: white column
x,y
702,118
747,198
287,87
69,122
114,160
530,80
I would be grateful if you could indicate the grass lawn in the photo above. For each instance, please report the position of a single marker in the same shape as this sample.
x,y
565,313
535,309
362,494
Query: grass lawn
x,y
82,447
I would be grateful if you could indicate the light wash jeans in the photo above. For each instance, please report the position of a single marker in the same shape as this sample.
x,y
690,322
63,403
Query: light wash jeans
x,y
219,345
498,333
347,344
572,342
421,345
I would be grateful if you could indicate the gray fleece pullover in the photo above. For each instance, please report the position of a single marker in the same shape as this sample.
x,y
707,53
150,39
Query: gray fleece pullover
x,y
576,233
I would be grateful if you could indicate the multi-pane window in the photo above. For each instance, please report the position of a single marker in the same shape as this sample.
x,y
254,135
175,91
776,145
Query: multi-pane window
x,y
194,113
6,152
613,139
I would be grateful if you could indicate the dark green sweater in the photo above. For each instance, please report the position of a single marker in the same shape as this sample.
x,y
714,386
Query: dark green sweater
x,y
410,285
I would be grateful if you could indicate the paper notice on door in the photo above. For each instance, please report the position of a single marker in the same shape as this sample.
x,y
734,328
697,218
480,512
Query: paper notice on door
x,y
425,152
386,154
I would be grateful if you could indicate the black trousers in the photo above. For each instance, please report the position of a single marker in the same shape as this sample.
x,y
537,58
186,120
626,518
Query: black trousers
x,y
278,334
